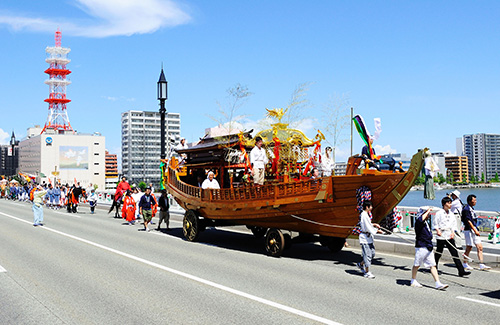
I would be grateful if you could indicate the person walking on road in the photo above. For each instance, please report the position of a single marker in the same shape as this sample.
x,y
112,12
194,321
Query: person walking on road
x,y
164,213
92,200
423,250
128,208
472,235
38,196
445,225
145,207
368,230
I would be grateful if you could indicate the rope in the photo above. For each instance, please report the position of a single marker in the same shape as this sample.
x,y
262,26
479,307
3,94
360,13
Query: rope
x,y
384,229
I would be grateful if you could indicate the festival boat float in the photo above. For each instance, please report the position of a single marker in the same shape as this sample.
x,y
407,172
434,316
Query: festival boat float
x,y
289,207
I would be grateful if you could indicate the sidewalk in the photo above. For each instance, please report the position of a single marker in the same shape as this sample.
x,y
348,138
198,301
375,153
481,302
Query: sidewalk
x,y
403,244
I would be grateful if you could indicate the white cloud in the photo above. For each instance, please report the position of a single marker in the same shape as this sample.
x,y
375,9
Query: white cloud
x,y
114,99
106,18
379,150
4,137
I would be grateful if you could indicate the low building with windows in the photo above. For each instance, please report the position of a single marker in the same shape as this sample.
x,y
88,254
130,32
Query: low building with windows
x,y
458,166
63,157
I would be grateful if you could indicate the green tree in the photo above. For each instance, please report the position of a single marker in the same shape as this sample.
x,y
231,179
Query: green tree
x,y
420,180
464,178
482,177
439,179
142,186
450,179
495,179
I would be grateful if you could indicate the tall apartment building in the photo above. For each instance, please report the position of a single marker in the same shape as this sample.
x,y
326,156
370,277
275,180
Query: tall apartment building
x,y
458,166
111,162
141,144
483,153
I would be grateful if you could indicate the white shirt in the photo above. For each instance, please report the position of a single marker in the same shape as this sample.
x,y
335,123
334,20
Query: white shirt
x,y
210,184
367,229
137,197
327,165
181,147
258,157
446,222
456,207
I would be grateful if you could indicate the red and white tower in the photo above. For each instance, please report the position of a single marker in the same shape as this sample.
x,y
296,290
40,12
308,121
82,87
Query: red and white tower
x,y
57,59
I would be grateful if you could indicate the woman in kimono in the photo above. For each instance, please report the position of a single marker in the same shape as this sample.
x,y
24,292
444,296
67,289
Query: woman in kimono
x,y
128,208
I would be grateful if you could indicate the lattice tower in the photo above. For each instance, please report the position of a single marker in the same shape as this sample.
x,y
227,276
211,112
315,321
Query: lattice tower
x,y
57,59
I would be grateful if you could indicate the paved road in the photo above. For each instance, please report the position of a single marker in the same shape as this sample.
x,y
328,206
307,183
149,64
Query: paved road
x,y
94,269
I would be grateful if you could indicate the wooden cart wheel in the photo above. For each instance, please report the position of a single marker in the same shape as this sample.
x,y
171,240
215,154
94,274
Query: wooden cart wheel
x,y
275,242
191,225
335,244
258,232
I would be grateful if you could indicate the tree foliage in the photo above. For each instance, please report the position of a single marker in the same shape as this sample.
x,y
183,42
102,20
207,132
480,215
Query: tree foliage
x,y
450,179
142,186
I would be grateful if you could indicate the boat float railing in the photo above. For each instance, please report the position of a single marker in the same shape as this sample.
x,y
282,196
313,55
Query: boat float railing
x,y
268,191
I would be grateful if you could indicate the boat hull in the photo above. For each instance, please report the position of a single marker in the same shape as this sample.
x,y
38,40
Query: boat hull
x,y
326,206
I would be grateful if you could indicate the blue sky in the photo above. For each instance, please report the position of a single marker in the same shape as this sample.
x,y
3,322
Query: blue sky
x,y
429,69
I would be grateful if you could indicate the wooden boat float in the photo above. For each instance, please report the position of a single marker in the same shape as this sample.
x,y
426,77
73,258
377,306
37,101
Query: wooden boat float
x,y
322,209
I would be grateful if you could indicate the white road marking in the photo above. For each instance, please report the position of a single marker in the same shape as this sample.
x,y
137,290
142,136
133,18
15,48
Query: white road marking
x,y
2,270
479,301
189,276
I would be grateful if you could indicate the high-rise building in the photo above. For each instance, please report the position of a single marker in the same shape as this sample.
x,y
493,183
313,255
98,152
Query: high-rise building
x,y
111,172
483,153
9,157
141,150
457,166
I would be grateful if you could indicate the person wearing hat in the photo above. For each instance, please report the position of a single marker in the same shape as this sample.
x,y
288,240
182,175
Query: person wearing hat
x,y
181,146
456,204
210,182
423,249
258,159
327,162
38,195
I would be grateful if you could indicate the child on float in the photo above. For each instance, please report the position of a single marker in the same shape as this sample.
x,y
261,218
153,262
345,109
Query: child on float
x,y
368,230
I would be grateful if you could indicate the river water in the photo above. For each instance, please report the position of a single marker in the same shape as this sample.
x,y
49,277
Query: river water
x,y
488,199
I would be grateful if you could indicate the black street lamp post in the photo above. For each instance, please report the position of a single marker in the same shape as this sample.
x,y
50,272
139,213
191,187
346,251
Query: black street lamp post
x,y
162,97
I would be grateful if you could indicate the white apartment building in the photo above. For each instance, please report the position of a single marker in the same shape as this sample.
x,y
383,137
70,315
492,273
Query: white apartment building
x,y
63,157
141,144
483,152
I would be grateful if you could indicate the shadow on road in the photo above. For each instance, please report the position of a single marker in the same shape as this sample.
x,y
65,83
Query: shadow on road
x,y
304,251
492,294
